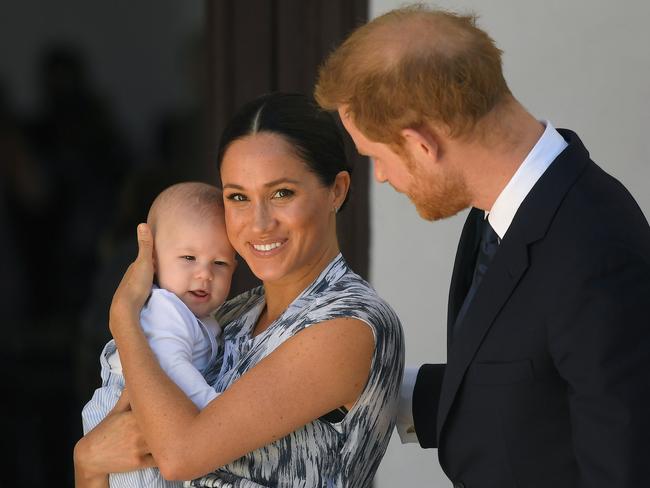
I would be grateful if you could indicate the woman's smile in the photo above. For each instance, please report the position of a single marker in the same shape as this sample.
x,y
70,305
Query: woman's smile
x,y
268,248
277,210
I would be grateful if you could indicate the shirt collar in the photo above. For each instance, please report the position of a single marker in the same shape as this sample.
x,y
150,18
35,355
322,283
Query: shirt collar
x,y
547,148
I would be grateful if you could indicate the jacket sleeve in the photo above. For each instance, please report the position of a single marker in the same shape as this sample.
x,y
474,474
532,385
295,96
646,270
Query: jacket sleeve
x,y
600,342
426,396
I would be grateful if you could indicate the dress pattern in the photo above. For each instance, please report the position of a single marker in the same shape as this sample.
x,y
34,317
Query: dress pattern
x,y
319,454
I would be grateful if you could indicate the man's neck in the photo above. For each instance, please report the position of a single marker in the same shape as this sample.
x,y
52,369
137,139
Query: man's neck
x,y
489,166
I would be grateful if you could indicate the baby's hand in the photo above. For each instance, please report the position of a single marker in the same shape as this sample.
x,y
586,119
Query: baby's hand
x,y
133,290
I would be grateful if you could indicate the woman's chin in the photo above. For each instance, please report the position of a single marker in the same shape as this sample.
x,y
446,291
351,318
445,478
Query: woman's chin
x,y
267,273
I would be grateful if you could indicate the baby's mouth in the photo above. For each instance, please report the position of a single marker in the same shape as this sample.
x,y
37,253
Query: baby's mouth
x,y
199,293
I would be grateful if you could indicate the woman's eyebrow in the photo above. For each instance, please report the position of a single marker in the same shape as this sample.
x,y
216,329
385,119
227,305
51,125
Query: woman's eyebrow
x,y
232,185
269,184
280,181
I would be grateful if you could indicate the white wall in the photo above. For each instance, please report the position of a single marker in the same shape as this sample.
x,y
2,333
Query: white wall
x,y
583,65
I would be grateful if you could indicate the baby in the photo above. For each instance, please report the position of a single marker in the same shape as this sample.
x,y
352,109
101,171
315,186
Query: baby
x,y
193,262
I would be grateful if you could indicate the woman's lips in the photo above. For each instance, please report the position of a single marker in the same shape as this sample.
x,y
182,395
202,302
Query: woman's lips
x,y
266,249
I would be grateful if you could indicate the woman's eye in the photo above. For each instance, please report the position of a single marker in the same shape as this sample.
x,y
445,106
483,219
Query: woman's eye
x,y
236,197
282,193
188,258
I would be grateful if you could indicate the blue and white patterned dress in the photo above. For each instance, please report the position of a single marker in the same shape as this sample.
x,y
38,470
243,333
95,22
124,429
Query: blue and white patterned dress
x,y
319,454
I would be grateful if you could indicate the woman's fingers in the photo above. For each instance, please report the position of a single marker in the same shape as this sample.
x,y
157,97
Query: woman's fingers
x,y
115,445
145,245
123,404
148,462
133,290
141,271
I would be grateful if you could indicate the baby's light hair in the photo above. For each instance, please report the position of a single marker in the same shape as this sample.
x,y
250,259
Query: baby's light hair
x,y
197,198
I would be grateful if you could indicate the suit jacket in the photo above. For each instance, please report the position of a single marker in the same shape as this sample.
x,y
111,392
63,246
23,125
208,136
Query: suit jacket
x,y
547,382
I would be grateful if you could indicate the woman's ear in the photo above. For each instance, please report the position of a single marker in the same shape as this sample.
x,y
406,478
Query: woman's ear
x,y
340,189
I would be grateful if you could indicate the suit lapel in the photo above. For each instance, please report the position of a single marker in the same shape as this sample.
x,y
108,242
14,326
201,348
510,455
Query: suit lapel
x,y
461,278
506,270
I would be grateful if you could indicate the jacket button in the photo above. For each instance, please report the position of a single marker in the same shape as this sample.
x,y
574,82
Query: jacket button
x,y
459,484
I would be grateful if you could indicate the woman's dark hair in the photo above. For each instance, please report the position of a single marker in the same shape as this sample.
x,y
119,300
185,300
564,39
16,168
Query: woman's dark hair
x,y
312,132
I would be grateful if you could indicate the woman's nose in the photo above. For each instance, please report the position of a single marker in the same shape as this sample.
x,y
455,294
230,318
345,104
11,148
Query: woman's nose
x,y
262,218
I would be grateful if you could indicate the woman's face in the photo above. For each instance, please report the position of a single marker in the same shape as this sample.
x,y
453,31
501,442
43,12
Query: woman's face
x,y
279,216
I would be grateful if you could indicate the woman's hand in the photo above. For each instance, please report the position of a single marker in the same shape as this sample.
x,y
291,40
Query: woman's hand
x,y
115,445
132,293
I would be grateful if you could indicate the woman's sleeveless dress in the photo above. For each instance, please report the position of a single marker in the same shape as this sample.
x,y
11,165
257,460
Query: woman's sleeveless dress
x,y
319,454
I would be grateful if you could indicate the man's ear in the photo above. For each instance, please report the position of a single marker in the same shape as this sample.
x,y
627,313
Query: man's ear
x,y
421,143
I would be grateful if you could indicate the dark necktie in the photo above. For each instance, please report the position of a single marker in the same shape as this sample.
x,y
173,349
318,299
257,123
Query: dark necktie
x,y
487,249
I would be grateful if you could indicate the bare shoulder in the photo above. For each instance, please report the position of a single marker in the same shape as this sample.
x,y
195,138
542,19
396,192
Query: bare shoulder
x,y
333,355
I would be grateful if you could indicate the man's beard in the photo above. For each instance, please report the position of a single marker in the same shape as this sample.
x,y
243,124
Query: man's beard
x,y
438,197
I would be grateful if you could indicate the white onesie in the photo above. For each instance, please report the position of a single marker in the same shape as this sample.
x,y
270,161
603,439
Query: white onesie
x,y
186,348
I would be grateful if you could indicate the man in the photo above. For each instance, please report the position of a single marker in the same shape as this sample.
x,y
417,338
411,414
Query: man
x,y
547,382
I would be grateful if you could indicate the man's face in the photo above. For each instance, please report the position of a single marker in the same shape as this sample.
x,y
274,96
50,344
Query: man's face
x,y
389,167
435,191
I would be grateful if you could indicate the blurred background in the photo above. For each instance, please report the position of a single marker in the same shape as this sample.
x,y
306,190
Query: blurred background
x,y
103,104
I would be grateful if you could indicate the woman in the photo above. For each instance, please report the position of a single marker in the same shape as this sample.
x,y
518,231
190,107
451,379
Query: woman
x,y
312,360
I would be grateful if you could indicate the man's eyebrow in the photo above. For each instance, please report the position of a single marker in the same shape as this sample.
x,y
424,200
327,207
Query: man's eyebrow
x,y
279,181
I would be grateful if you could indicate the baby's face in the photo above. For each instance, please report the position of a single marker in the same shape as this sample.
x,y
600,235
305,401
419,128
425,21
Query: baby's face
x,y
194,260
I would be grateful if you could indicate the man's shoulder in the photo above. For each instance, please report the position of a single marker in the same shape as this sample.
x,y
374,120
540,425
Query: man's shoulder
x,y
599,206
597,219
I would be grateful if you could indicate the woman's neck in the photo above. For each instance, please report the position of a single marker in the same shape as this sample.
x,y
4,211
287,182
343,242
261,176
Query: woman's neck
x,y
279,294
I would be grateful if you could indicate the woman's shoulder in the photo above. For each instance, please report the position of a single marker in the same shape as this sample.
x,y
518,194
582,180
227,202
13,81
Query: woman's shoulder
x,y
353,297
238,305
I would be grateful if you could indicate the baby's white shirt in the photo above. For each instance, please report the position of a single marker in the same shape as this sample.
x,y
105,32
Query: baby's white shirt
x,y
185,346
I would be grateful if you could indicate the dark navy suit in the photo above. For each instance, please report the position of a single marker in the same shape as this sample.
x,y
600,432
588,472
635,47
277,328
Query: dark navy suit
x,y
547,382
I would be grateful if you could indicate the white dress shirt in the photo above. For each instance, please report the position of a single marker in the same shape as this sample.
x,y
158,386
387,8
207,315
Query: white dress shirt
x,y
500,216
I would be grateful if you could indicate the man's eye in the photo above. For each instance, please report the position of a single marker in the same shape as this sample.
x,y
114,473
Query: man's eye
x,y
188,258
236,197
283,193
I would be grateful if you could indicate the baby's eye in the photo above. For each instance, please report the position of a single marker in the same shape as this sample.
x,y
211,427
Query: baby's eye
x,y
236,197
282,193
188,258
221,263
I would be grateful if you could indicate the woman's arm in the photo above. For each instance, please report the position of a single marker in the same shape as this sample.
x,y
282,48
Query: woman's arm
x,y
314,372
115,445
